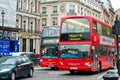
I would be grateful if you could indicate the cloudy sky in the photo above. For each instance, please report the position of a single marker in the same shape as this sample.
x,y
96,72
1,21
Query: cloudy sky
x,y
115,4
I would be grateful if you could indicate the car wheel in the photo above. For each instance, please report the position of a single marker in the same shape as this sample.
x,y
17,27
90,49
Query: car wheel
x,y
30,73
12,76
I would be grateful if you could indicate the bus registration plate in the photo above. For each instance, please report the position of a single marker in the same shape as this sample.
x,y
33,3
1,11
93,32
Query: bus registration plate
x,y
73,68
50,65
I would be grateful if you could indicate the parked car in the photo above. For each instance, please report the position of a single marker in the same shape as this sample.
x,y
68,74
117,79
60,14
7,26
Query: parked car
x,y
31,55
12,67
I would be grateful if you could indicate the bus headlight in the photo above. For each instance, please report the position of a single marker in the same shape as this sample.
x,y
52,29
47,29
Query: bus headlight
x,y
61,63
88,64
41,60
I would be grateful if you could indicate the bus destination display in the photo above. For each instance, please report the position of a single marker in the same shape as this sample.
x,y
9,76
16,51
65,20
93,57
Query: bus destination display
x,y
75,36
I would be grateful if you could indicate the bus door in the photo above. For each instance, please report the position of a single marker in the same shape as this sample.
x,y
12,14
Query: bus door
x,y
110,57
94,58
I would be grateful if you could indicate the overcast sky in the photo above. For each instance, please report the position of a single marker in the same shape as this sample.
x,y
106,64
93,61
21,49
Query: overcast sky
x,y
115,4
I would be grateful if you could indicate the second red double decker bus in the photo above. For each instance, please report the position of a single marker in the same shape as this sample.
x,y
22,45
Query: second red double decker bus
x,y
85,44
49,47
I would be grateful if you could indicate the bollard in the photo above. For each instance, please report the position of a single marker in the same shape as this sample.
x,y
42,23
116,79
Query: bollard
x,y
111,75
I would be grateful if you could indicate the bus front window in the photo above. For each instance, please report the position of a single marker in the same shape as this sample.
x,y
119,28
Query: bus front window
x,y
75,29
75,51
50,31
49,52
76,25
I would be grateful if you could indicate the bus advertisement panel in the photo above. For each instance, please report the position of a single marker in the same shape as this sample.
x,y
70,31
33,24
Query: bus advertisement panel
x,y
49,47
85,44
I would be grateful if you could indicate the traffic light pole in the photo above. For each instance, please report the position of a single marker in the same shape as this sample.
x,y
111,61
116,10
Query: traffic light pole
x,y
116,31
118,60
117,45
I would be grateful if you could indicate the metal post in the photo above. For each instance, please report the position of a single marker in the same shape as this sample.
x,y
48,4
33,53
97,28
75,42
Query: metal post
x,y
2,14
118,60
117,33
117,45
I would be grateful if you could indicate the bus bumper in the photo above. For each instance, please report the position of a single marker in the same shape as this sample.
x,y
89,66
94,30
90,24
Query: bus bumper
x,y
88,69
48,64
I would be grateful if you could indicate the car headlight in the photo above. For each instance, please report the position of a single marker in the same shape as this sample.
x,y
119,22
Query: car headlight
x,y
4,70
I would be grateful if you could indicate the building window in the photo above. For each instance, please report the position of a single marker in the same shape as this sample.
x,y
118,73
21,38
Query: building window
x,y
31,27
55,21
44,22
24,5
17,22
84,11
93,14
43,10
24,45
54,9
72,8
24,26
31,45
81,11
88,12
31,7
17,5
13,35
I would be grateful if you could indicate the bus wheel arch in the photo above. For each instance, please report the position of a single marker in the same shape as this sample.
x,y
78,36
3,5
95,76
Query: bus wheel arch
x,y
114,64
99,66
72,71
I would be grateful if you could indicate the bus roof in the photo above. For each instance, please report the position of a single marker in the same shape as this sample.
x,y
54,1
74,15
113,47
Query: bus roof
x,y
88,17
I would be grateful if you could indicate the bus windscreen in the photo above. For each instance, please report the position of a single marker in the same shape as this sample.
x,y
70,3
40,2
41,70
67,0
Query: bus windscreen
x,y
50,32
75,29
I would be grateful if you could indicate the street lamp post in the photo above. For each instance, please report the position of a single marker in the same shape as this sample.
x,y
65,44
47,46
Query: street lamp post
x,y
2,14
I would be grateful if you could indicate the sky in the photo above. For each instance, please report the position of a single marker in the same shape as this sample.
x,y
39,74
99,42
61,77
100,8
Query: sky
x,y
115,4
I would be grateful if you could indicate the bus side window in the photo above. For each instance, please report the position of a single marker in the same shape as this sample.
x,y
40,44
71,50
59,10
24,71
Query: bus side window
x,y
94,27
109,52
114,51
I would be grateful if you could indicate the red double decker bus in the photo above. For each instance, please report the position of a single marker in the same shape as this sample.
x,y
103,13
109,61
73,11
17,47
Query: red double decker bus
x,y
85,44
49,47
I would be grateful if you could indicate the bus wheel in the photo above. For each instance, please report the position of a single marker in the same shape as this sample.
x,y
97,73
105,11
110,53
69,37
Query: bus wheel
x,y
54,68
99,67
113,65
72,72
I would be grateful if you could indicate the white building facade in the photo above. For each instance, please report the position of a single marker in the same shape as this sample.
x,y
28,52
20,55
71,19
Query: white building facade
x,y
28,19
53,10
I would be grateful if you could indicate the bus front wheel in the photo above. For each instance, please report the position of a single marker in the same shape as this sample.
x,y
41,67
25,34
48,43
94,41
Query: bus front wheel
x,y
113,65
99,67
72,72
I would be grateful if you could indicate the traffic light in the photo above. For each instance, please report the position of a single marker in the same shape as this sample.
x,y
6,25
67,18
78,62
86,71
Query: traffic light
x,y
114,29
116,26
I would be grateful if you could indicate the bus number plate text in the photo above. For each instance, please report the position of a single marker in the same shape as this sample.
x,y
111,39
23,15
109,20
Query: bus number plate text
x,y
73,68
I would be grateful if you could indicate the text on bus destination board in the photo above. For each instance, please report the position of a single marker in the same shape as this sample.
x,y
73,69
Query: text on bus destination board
x,y
75,36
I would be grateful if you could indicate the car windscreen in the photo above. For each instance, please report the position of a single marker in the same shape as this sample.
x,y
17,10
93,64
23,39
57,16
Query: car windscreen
x,y
6,60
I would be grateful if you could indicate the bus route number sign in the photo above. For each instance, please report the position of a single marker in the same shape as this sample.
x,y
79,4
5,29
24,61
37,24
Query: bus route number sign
x,y
75,36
